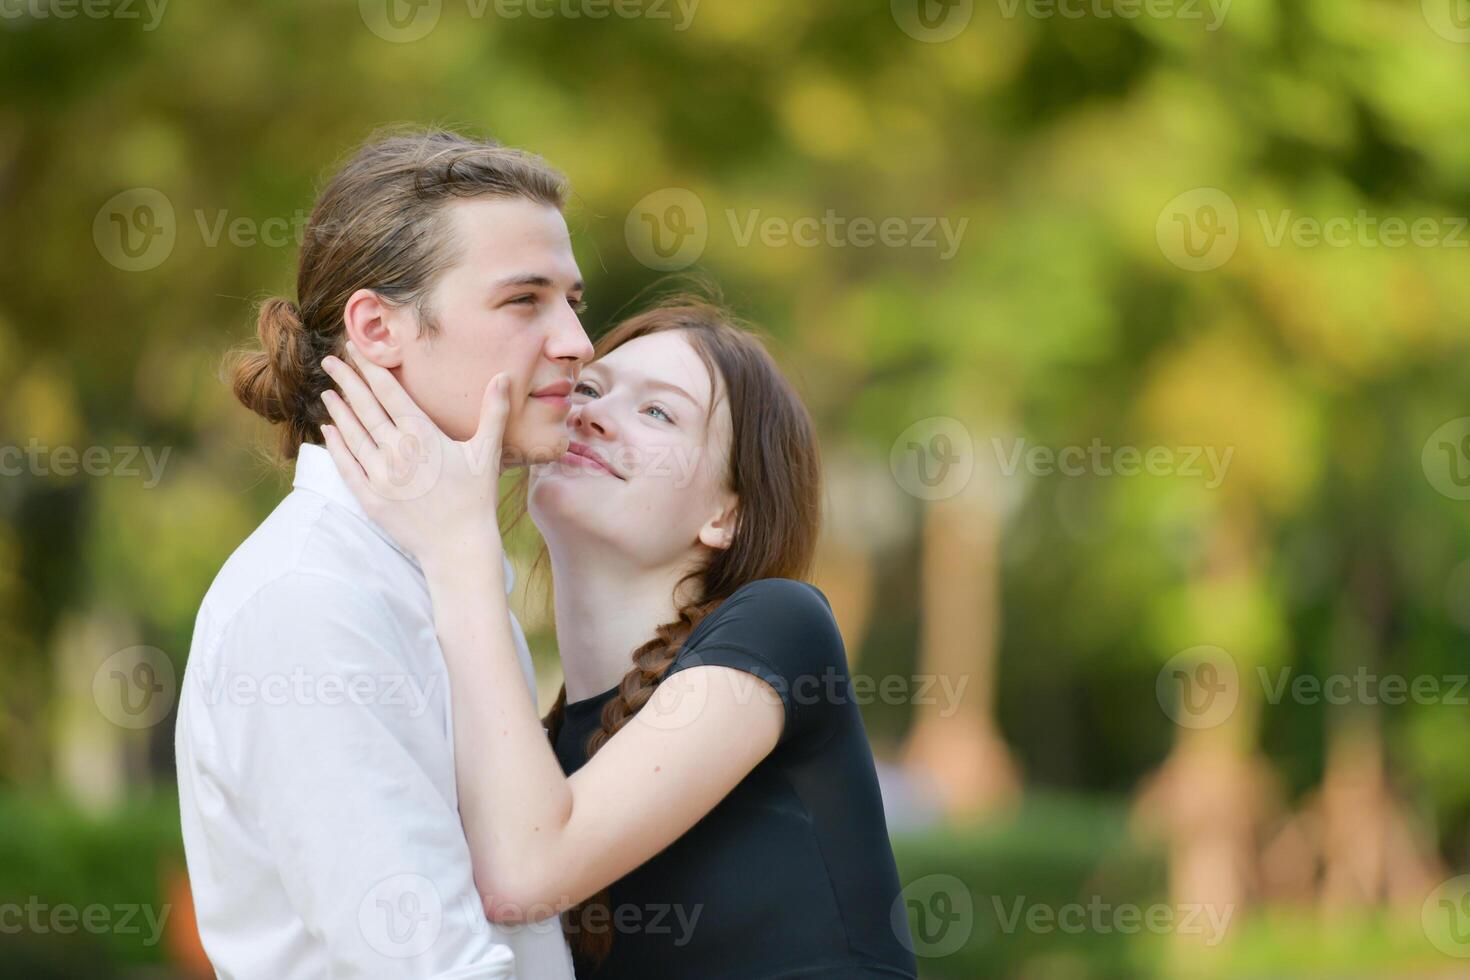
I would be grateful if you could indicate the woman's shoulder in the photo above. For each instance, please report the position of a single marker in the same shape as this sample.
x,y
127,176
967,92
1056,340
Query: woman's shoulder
x,y
776,604
782,631
784,621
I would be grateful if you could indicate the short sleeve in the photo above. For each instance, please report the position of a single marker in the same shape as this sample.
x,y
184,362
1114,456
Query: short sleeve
x,y
783,632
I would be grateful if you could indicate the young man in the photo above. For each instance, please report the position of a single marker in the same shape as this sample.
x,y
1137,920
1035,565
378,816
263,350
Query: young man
x,y
314,742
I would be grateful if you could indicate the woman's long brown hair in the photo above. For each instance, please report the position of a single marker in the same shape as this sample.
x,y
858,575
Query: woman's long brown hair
x,y
775,473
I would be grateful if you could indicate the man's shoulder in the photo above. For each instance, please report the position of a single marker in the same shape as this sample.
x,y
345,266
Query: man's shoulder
x,y
307,551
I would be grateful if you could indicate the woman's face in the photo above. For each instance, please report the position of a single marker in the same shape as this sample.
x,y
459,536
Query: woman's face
x,y
646,469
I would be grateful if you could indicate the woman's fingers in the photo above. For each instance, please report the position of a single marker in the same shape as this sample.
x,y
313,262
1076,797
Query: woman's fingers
x,y
390,394
494,408
357,393
358,440
347,464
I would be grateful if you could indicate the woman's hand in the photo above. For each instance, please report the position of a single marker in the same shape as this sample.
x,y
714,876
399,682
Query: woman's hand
x,y
435,496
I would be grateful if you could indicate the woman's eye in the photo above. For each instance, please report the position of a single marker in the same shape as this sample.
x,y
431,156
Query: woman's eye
x,y
579,306
661,411
583,388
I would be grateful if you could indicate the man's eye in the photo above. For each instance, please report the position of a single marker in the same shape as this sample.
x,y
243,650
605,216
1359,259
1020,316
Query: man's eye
x,y
579,306
527,300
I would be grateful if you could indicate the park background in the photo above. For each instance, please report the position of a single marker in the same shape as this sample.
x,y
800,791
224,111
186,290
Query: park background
x,y
1034,266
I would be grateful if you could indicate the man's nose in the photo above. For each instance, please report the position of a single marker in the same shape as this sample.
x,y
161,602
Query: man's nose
x,y
568,342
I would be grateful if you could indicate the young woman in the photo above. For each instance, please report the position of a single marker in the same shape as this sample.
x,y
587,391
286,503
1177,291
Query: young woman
x,y
709,784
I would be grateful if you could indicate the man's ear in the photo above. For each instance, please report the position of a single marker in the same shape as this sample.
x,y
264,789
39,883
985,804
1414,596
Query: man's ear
x,y
375,327
719,531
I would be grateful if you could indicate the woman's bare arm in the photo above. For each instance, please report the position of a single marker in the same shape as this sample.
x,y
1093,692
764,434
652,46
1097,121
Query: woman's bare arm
x,y
541,841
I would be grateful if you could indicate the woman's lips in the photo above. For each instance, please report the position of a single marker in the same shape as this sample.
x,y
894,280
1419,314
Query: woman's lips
x,y
584,457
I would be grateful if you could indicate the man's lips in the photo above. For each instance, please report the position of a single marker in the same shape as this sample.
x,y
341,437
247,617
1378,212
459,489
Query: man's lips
x,y
555,394
578,454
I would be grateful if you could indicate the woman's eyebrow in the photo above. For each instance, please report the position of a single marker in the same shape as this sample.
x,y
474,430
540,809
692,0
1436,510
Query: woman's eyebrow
x,y
670,386
597,367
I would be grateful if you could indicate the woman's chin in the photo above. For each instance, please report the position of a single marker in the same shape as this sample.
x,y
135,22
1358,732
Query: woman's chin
x,y
556,500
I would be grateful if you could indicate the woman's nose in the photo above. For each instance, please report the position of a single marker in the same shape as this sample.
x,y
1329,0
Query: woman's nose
x,y
585,419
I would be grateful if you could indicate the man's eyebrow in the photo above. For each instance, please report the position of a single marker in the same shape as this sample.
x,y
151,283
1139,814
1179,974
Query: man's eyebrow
x,y
534,279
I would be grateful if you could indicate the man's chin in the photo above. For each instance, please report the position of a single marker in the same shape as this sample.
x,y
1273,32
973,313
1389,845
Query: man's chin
x,y
540,448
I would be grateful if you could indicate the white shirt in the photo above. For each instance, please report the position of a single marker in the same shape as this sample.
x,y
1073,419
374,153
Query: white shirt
x,y
316,763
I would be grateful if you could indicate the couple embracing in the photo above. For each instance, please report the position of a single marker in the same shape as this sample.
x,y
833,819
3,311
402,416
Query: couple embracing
x,y
700,802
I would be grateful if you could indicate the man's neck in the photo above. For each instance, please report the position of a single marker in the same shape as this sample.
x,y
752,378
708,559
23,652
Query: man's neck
x,y
605,611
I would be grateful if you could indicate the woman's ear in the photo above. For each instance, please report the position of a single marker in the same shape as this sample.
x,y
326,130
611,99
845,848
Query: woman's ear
x,y
719,531
374,327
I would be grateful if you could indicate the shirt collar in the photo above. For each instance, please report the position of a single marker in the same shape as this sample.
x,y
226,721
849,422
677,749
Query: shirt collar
x,y
316,472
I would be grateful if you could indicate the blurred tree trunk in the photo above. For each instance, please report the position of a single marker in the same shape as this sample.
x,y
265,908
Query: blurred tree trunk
x,y
1212,796
852,535
958,747
1371,850
94,756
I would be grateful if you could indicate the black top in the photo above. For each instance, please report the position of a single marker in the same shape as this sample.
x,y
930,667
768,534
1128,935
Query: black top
x,y
791,874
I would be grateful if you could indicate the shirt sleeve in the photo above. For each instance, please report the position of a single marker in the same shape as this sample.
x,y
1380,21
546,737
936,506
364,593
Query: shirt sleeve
x,y
342,764
783,632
